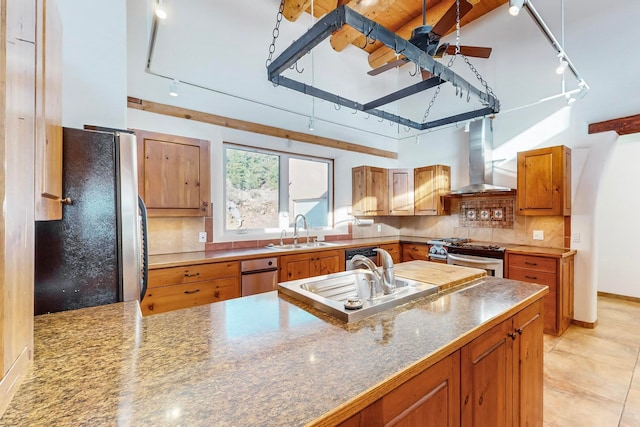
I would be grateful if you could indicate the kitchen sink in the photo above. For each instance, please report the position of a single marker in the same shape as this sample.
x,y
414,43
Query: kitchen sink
x,y
330,293
310,245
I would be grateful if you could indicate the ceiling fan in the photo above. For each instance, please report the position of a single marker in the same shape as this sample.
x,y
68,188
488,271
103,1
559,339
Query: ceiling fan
x,y
428,38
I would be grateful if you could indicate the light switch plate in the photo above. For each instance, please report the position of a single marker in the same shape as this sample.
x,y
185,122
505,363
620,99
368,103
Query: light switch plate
x,y
379,228
538,234
575,237
202,237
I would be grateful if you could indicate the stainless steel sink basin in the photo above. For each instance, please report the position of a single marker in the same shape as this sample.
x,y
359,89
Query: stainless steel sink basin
x,y
330,292
310,245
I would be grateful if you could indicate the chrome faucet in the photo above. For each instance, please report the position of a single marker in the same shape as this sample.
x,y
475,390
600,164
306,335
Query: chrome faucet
x,y
386,279
295,228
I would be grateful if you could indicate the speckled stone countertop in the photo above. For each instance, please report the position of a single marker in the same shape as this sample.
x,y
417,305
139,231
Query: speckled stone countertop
x,y
261,360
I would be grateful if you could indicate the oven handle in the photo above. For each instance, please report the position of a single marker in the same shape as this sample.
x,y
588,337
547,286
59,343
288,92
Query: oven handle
x,y
475,261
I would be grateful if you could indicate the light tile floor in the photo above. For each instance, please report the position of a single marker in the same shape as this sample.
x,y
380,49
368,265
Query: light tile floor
x,y
592,376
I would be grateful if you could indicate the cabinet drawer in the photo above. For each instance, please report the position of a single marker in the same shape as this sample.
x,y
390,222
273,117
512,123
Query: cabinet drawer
x,y
532,262
533,276
192,273
167,298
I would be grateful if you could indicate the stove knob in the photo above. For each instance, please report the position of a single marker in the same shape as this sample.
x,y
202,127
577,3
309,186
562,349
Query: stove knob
x,y
442,251
432,250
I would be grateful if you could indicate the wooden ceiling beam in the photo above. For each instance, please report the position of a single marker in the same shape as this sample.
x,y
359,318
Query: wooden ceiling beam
x,y
622,126
384,54
346,35
294,8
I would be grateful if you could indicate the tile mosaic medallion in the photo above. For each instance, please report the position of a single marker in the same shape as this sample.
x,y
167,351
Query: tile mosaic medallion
x,y
486,213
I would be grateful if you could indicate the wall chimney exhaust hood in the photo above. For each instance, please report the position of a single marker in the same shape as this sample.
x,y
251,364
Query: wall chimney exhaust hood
x,y
480,162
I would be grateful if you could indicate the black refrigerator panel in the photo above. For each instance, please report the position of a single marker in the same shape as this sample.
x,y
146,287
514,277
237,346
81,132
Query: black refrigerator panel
x,y
77,258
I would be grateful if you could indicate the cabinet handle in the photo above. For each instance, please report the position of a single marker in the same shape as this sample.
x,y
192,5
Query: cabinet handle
x,y
519,331
216,294
192,292
191,275
512,336
66,201
530,263
531,277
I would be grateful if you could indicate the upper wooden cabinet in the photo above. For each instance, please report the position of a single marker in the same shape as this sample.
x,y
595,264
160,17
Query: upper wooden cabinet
x,y
400,191
173,174
544,181
431,182
369,191
48,125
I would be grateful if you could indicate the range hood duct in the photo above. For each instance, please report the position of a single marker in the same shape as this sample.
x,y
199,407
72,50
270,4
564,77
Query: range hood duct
x,y
480,160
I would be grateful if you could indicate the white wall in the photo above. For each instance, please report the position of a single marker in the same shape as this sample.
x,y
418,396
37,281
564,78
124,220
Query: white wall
x,y
94,86
617,212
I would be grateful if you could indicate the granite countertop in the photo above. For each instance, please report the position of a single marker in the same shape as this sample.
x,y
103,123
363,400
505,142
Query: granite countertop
x,y
260,360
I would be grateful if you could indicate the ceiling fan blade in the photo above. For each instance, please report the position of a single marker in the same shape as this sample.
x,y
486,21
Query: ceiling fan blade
x,y
448,20
389,66
425,74
475,51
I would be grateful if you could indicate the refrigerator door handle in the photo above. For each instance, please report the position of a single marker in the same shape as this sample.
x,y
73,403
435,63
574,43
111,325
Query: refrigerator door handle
x,y
144,249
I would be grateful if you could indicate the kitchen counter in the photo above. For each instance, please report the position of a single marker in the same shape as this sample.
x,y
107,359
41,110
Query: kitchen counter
x,y
203,257
259,360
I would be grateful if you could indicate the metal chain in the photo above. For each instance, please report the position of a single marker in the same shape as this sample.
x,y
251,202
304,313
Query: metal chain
x,y
276,33
484,83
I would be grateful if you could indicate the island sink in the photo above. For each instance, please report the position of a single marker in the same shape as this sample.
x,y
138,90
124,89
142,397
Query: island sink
x,y
331,293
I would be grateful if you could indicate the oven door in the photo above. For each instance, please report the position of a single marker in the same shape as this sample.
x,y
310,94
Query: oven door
x,y
493,266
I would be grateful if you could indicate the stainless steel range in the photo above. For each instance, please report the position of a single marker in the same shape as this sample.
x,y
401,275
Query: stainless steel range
x,y
486,256
438,248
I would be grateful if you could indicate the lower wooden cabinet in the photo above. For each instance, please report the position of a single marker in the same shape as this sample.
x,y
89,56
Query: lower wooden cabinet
x,y
309,264
415,251
555,272
495,380
502,373
187,286
394,250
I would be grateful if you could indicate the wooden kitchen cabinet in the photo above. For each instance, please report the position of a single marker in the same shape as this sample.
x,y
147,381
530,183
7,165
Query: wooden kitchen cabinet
x,y
502,373
430,183
400,188
555,272
309,264
394,251
173,288
48,125
415,251
431,398
369,191
544,181
173,174
496,380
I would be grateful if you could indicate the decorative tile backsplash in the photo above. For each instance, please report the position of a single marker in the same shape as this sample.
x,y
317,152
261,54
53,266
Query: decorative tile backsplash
x,y
486,213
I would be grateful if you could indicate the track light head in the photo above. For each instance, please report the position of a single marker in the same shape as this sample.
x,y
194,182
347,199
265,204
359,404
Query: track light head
x,y
160,10
173,88
515,6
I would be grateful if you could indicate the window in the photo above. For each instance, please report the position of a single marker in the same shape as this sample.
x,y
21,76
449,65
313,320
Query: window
x,y
265,190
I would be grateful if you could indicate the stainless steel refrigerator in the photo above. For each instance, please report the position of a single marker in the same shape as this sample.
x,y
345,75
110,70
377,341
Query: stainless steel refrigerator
x,y
96,254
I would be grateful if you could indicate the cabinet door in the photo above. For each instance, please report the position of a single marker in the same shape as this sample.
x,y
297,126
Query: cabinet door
x,y
293,267
528,373
544,181
430,182
486,378
431,398
48,167
173,174
327,263
369,191
400,191
412,252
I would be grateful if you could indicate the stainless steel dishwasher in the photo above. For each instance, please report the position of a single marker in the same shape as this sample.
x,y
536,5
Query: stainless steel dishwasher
x,y
259,275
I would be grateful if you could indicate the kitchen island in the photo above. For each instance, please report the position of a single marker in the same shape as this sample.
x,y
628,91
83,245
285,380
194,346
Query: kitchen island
x,y
259,360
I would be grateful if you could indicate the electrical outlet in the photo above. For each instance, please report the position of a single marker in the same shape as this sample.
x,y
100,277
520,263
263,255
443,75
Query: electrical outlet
x,y
538,235
202,237
575,237
379,228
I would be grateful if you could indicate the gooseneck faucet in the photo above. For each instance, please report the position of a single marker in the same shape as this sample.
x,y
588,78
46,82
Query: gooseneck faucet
x,y
295,228
386,280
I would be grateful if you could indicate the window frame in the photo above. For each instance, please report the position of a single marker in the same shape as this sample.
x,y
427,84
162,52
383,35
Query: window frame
x,y
283,191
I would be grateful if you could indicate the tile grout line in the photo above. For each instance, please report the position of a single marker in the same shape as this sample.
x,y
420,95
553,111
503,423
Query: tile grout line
x,y
624,405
